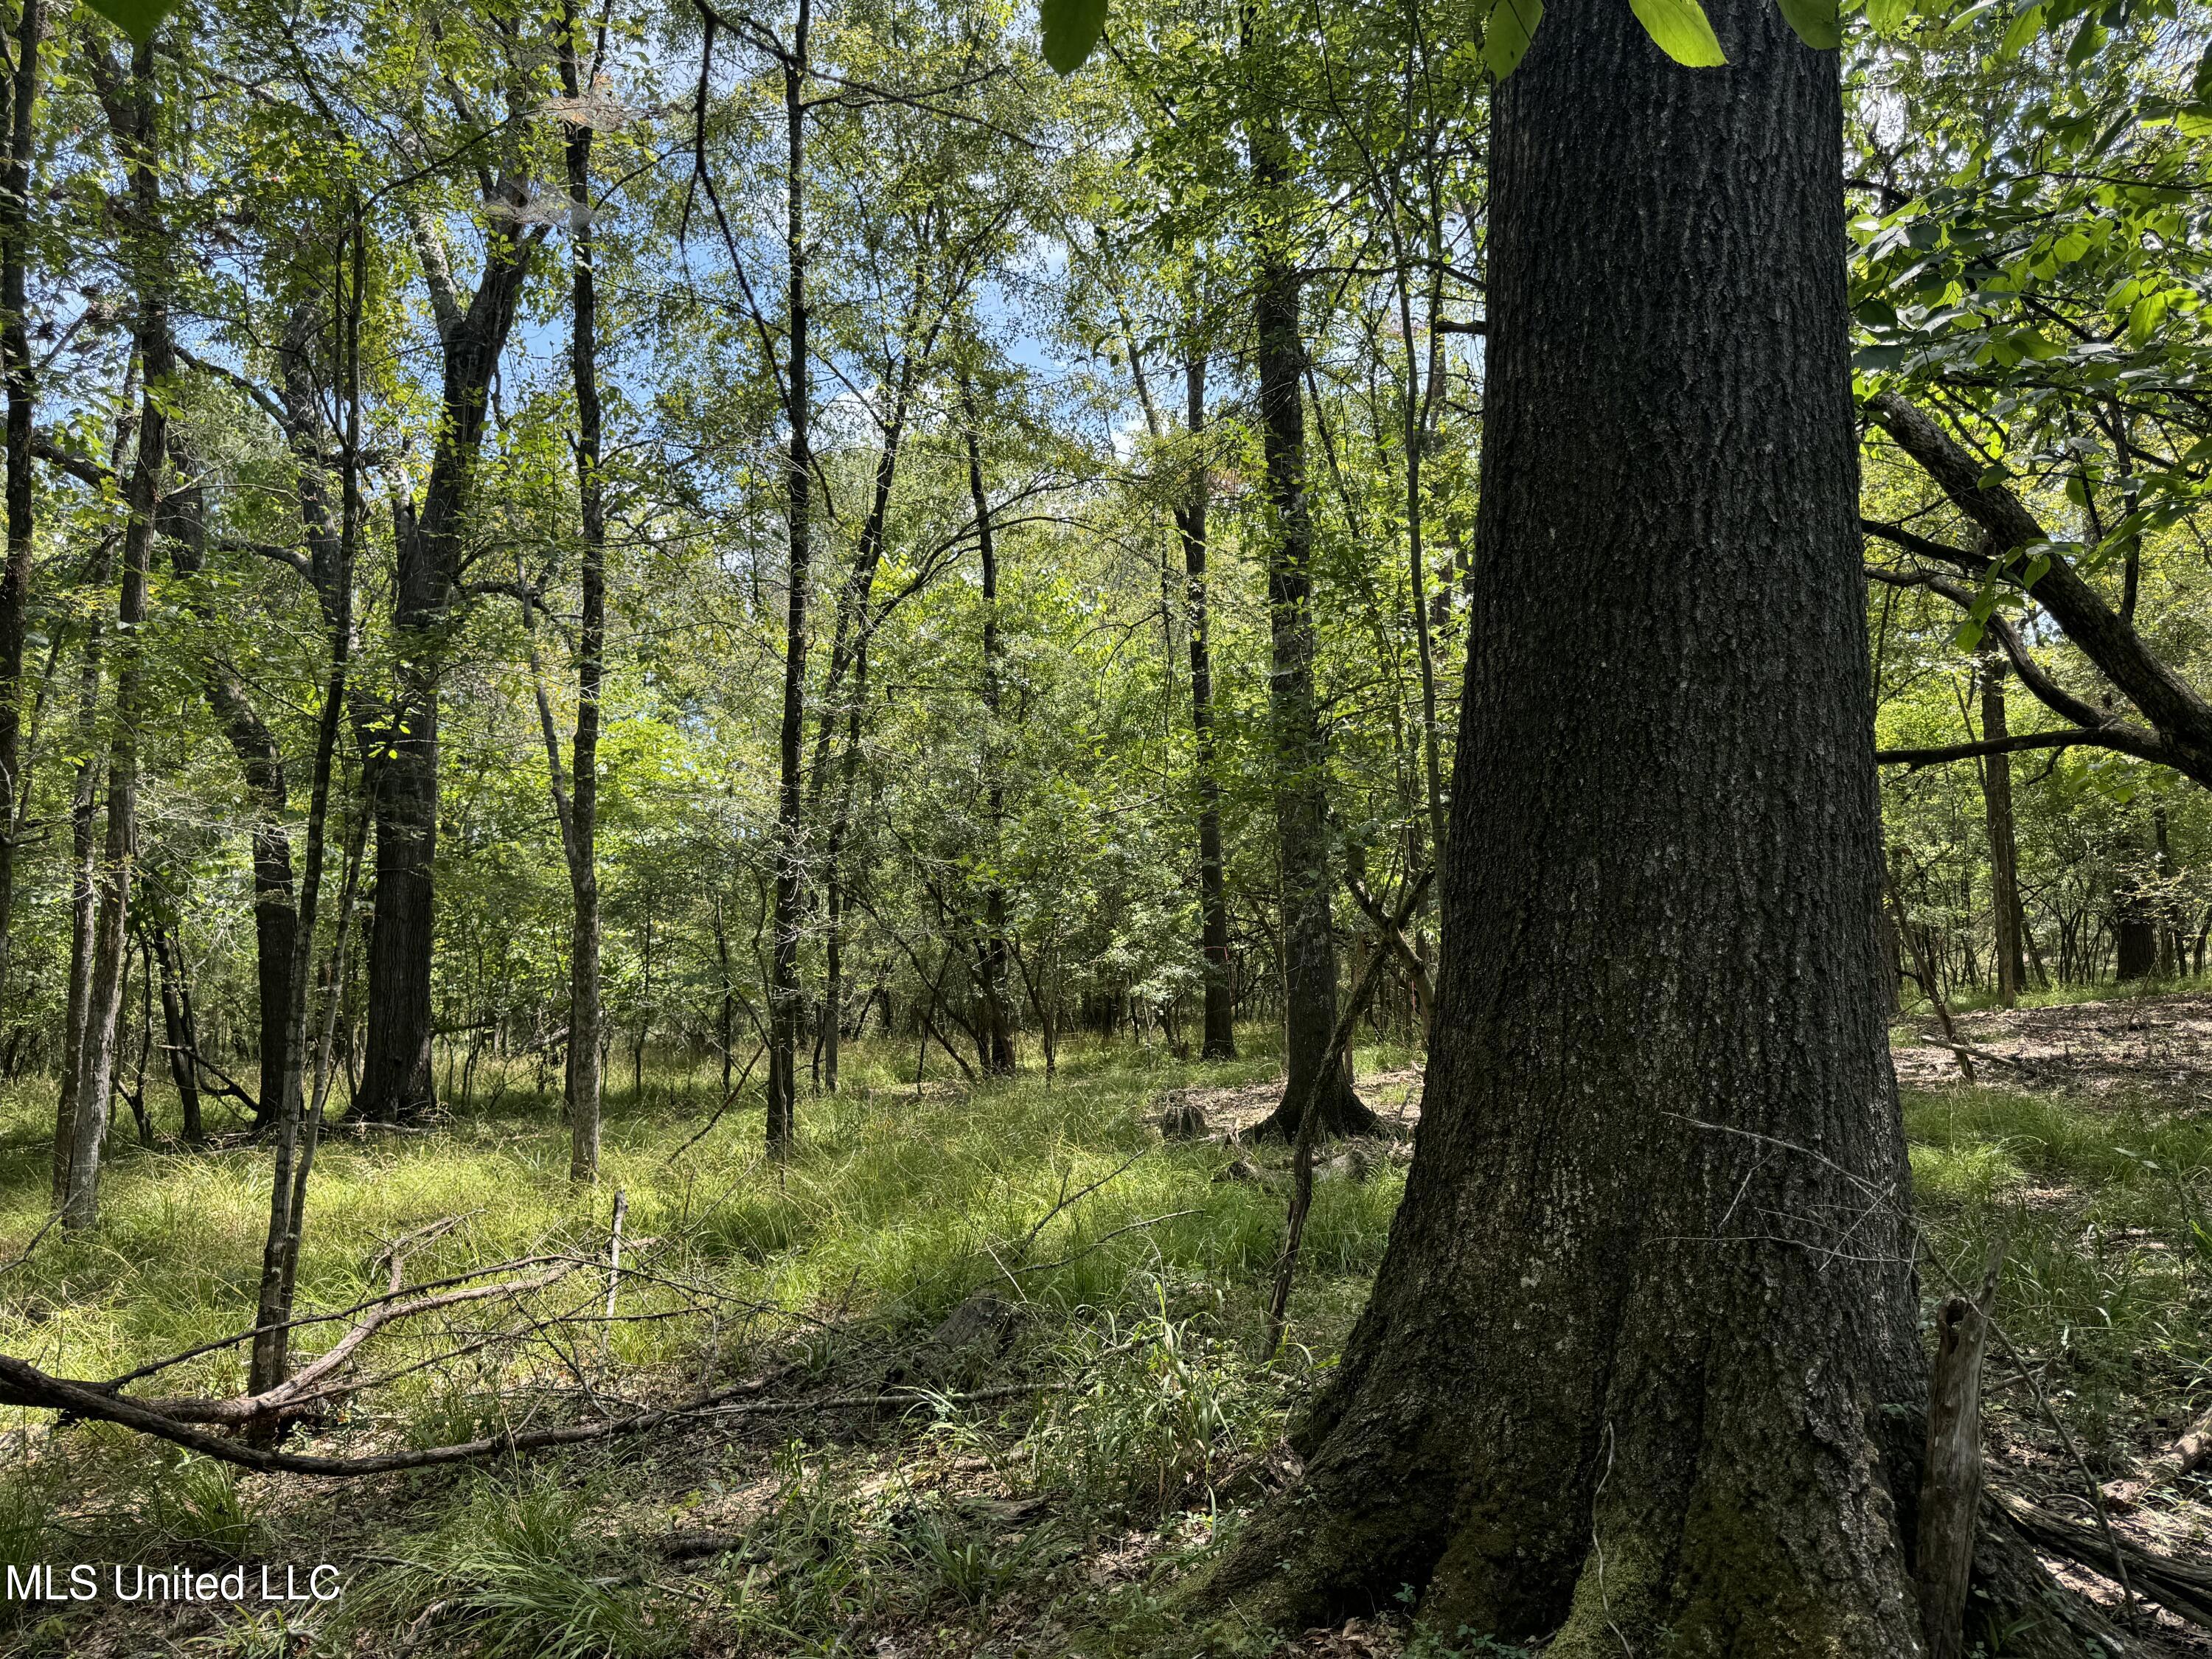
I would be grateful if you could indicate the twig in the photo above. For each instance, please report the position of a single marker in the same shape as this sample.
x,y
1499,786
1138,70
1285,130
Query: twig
x,y
1066,1201
1154,1221
1309,1119
36,1239
614,1271
728,1095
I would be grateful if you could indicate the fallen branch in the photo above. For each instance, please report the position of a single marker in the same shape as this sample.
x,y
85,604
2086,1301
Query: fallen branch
x,y
2192,1451
2182,1590
1972,1052
24,1384
300,1388
728,1095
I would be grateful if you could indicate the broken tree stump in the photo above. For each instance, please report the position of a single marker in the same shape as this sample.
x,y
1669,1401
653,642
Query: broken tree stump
x,y
1951,1475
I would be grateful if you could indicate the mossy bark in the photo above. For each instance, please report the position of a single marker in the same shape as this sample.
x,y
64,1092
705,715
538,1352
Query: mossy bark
x,y
1641,1366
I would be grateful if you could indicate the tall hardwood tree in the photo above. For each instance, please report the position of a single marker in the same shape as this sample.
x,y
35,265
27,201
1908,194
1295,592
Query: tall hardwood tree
x,y
578,808
785,1001
1299,743
1640,1366
396,1083
21,105
133,110
993,957
1220,1038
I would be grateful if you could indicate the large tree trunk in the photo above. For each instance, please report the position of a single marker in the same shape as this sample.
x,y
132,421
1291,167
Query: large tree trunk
x,y
22,397
1640,1365
2008,921
397,1084
1300,756
785,1002
1220,1040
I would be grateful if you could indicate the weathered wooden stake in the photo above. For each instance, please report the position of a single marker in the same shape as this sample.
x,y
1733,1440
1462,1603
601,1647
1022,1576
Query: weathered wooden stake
x,y
1951,1478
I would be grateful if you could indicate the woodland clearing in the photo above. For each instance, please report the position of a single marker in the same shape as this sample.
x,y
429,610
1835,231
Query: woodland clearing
x,y
1128,1425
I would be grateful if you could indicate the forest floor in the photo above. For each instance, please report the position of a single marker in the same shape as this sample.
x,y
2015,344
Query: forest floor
x,y
1051,1410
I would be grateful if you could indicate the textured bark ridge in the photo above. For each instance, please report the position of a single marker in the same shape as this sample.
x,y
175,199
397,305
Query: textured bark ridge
x,y
1640,1366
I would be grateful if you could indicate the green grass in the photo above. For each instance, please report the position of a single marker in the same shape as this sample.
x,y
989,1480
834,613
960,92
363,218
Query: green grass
x,y
973,1529
896,1207
1975,998
2104,1210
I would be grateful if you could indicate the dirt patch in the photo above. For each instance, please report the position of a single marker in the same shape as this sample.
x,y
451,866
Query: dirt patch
x,y
2156,1046
1231,1109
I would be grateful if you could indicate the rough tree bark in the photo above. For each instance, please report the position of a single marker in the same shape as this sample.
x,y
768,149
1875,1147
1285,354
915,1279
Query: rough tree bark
x,y
1640,1366
2009,919
1300,756
22,92
397,1085
1220,1039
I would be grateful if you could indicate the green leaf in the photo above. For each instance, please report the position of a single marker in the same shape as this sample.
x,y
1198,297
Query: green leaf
x,y
1506,37
136,18
1887,16
1071,28
2144,318
1679,28
2087,40
1816,23
2021,33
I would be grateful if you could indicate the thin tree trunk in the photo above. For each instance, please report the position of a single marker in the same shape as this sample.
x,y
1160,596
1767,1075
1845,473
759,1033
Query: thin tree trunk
x,y
131,110
784,999
1414,431
22,398
297,1128
1300,755
84,820
2009,920
183,1042
580,820
183,520
1640,1372
726,1013
998,1056
1220,1039
841,824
